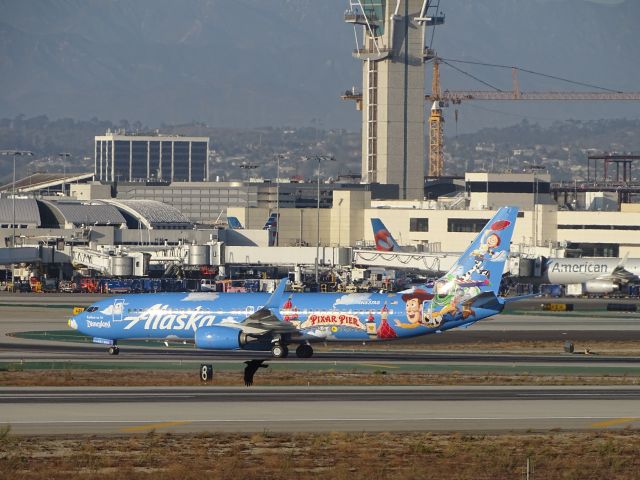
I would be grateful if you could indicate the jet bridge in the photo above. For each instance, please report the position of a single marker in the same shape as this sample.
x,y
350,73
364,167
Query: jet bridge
x,y
430,262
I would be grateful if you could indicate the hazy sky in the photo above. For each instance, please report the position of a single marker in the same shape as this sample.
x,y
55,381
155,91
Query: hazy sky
x,y
235,63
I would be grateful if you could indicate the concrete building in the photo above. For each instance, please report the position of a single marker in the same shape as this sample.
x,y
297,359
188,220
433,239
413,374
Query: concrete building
x,y
207,202
131,157
392,100
444,223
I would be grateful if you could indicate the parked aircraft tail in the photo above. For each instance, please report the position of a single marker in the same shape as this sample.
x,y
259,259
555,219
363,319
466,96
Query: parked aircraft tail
x,y
272,222
272,226
234,223
383,238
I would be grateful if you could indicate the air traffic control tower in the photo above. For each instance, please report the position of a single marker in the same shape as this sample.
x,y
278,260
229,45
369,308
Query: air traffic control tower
x,y
392,50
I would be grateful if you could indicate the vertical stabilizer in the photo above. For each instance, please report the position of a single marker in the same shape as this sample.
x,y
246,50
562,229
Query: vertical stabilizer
x,y
482,264
383,238
234,224
272,226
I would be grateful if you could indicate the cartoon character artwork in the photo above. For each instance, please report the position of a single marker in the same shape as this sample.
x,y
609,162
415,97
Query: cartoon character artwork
x,y
413,302
452,305
371,326
289,312
488,249
466,279
385,331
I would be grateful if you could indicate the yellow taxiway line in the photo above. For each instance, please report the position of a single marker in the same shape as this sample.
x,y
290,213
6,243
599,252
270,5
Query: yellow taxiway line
x,y
613,422
152,426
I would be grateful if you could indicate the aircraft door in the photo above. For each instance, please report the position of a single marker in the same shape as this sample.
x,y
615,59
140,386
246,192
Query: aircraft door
x,y
117,312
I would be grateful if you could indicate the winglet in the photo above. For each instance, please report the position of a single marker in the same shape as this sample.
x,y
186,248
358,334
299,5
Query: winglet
x,y
622,261
278,293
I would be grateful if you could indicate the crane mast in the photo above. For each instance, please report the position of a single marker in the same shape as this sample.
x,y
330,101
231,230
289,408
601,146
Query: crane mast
x,y
436,125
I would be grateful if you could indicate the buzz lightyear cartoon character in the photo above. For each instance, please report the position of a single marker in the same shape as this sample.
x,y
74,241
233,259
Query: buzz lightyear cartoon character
x,y
451,302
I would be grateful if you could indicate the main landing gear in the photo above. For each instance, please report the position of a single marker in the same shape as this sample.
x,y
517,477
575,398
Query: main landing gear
x,y
281,351
304,351
113,350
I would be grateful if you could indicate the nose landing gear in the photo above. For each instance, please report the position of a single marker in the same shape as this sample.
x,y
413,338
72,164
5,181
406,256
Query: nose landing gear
x,y
113,350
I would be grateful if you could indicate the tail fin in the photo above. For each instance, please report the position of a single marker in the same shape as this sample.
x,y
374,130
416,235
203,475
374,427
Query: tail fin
x,y
272,222
234,223
482,264
384,240
272,226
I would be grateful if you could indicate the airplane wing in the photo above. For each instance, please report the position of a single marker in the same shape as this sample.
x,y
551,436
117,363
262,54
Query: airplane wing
x,y
620,274
267,320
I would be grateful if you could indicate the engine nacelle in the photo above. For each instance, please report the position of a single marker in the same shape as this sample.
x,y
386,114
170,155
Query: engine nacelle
x,y
217,337
600,286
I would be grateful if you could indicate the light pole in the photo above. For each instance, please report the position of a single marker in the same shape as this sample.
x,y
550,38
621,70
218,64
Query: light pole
x,y
320,158
14,154
248,166
278,157
64,156
535,169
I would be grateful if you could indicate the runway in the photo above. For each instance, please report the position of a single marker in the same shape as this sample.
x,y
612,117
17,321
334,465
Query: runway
x,y
96,353
122,410
45,411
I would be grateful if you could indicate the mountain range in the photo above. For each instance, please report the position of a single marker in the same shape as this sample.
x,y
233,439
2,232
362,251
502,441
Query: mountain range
x,y
248,63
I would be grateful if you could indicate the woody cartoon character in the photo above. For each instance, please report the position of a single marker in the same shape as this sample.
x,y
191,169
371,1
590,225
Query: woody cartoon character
x,y
413,306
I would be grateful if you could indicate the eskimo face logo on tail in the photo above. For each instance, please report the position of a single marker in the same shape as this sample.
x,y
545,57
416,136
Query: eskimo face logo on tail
x,y
384,243
160,317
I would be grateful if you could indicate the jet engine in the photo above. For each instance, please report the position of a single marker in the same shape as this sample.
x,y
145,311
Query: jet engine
x,y
217,337
600,286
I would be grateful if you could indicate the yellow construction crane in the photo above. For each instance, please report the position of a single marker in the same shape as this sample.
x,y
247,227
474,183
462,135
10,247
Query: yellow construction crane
x,y
439,99
436,124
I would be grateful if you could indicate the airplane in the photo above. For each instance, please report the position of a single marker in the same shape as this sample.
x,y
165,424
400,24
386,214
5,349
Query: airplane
x,y
468,292
383,238
594,275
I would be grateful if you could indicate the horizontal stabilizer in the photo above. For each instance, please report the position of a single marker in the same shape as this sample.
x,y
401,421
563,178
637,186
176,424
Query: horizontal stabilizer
x,y
521,297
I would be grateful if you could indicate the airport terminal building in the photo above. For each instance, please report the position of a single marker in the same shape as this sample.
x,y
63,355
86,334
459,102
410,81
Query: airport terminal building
x,y
163,215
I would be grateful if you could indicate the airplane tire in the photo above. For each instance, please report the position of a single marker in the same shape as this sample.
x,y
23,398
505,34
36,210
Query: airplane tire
x,y
304,351
279,351
113,350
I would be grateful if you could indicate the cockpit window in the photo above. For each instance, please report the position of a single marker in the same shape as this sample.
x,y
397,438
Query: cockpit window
x,y
92,309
